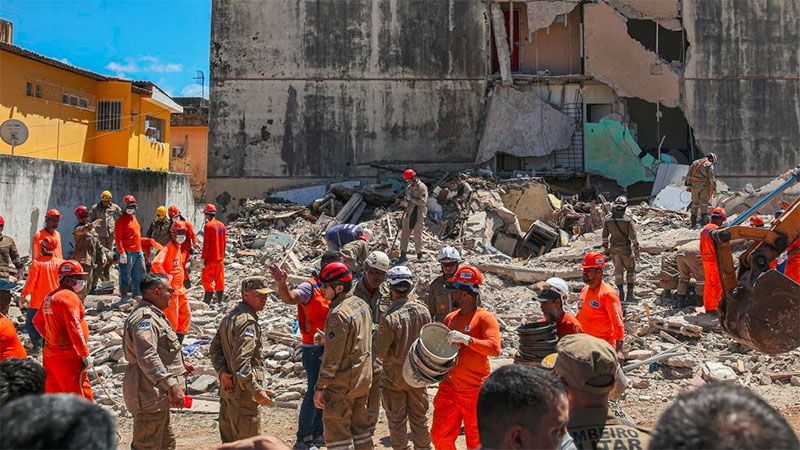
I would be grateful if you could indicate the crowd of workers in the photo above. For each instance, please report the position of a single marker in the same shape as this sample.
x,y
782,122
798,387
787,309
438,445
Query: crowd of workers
x,y
358,316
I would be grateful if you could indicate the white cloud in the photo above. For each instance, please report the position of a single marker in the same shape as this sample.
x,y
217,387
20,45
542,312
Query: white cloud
x,y
65,61
143,64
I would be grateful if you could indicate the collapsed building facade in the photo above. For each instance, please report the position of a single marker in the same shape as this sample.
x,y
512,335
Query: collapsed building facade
x,y
314,91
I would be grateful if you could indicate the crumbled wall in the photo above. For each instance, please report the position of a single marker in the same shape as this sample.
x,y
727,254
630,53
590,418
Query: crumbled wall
x,y
610,151
647,9
542,13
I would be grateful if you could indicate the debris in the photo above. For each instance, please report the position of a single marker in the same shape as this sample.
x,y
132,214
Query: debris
x,y
716,371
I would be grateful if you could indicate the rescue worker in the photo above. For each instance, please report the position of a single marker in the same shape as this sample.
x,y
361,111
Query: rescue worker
x,y
10,345
8,255
589,369
703,184
189,246
312,313
150,249
214,242
237,357
551,296
346,371
477,333
88,250
109,212
155,375
399,327
170,261
61,322
42,280
600,311
690,265
355,252
619,242
416,208
51,220
712,291
436,295
756,221
128,239
342,234
159,229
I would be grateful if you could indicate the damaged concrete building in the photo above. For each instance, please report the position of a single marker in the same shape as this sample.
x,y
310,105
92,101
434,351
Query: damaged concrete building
x,y
314,91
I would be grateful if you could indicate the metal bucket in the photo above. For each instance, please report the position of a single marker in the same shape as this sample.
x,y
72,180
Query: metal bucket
x,y
412,375
429,357
433,344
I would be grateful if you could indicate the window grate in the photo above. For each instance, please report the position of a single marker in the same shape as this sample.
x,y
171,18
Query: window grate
x,y
109,115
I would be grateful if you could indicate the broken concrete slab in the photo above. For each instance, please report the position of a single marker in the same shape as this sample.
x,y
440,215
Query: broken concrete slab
x,y
673,198
647,9
542,13
531,204
521,124
525,274
501,43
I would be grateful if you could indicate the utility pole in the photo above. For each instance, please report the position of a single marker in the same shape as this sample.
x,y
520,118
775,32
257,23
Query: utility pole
x,y
200,77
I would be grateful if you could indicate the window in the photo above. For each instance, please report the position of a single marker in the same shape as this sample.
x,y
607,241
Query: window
x,y
33,89
154,129
178,151
109,115
29,89
38,91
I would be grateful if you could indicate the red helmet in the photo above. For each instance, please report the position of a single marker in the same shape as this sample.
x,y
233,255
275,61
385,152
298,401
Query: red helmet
x,y
756,221
409,174
593,260
2,220
336,271
70,267
210,209
178,225
719,212
82,211
468,275
173,211
52,213
129,199
48,243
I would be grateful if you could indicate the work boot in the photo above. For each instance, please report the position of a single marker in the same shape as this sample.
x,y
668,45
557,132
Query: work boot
x,y
402,257
629,296
621,290
694,221
220,296
207,297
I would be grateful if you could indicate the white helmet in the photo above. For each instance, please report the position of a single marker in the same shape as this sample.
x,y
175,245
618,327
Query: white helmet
x,y
399,274
367,232
621,201
378,260
448,254
560,286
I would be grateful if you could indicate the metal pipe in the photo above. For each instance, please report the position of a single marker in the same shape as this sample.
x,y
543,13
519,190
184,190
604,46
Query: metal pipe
x,y
793,178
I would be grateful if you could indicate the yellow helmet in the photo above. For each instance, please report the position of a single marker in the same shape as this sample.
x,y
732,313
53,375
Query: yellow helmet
x,y
106,195
161,211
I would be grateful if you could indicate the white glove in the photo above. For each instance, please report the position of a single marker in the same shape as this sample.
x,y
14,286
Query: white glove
x,y
87,363
457,337
123,258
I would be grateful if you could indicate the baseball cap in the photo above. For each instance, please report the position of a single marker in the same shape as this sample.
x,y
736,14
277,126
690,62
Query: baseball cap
x,y
586,363
258,284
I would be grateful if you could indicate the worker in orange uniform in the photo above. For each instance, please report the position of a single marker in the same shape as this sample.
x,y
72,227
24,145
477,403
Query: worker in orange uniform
x,y
552,294
600,310
171,260
189,246
61,321
51,220
10,346
793,261
42,280
150,248
128,237
712,292
477,333
214,241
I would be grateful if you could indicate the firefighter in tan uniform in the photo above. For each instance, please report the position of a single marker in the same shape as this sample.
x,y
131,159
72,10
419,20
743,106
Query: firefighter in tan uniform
x,y
436,295
346,371
88,249
416,201
154,378
690,265
109,212
236,356
619,240
702,183
399,328
355,252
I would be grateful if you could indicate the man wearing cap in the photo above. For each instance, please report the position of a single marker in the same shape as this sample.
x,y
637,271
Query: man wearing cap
x,y
551,295
436,295
88,250
619,241
416,208
51,220
170,261
8,255
346,371
355,252
588,367
128,238
109,212
156,371
236,355
600,311
690,265
215,239
42,280
399,327
712,292
477,333
702,183
159,228
61,322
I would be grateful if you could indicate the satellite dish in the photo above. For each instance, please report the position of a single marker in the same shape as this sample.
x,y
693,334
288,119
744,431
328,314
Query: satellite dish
x,y
13,132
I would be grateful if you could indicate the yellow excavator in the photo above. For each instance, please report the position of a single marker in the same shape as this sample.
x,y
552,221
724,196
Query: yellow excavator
x,y
760,307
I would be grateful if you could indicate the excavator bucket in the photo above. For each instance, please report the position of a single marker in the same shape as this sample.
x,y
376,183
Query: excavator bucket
x,y
766,317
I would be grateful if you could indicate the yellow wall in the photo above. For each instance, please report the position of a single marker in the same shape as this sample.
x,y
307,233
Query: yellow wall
x,y
194,161
146,153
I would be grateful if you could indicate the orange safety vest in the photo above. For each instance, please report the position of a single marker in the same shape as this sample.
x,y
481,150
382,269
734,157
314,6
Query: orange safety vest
x,y
312,315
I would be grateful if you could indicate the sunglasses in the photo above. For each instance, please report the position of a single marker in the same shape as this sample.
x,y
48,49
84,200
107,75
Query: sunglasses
x,y
466,287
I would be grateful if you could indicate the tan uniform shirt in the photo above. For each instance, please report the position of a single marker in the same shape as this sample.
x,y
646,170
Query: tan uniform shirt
x,y
87,244
8,256
417,195
346,368
398,329
236,349
109,215
155,360
701,174
619,232
593,428
159,231
355,254
438,299
378,301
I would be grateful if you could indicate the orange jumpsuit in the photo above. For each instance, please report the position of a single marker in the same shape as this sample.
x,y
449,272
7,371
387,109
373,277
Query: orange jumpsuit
x,y
150,245
42,280
600,313
214,241
457,399
170,260
10,346
793,263
712,293
61,322
191,241
36,242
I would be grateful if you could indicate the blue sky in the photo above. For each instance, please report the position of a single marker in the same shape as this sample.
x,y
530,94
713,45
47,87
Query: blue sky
x,y
165,42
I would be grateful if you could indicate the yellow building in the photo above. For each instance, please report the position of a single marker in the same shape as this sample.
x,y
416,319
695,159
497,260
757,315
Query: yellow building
x,y
189,139
73,114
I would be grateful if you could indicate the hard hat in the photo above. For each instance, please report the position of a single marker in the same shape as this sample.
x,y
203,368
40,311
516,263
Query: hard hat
x,y
409,174
448,254
81,211
711,156
399,274
378,260
2,220
48,243
129,200
178,225
173,211
719,213
560,286
756,221
621,201
52,213
336,271
106,195
593,260
161,211
367,233
70,267
210,209
468,275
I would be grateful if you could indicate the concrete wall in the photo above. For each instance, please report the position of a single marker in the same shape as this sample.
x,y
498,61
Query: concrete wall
x,y
31,186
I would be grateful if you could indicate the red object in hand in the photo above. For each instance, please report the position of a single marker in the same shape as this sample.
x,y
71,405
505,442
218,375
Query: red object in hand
x,y
187,401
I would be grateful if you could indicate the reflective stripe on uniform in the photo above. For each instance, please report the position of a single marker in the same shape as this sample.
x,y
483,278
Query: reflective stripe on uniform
x,y
345,443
